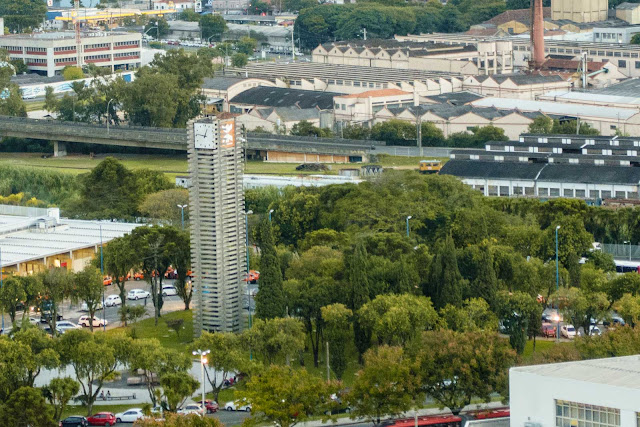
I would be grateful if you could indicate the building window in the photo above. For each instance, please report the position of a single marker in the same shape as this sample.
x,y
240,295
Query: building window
x,y
594,194
620,195
568,192
637,65
622,63
580,194
572,413
554,192
543,191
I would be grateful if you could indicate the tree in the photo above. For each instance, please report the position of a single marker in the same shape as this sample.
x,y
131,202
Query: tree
x,y
19,65
602,261
239,60
59,392
56,285
152,99
212,26
474,315
445,284
246,45
520,313
149,356
190,15
432,136
119,259
160,30
12,295
541,125
275,340
15,364
42,353
50,99
176,388
455,367
72,73
284,396
629,308
485,284
131,314
635,39
26,407
338,334
225,357
270,298
398,319
305,128
394,132
580,306
88,287
257,7
620,285
385,386
179,251
22,15
179,420
162,205
489,133
94,359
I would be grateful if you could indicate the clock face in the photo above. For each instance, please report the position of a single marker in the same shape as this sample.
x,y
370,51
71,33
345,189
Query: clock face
x,y
204,136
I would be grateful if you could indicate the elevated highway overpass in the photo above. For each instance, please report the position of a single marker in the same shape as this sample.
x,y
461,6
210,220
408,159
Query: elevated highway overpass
x,y
276,146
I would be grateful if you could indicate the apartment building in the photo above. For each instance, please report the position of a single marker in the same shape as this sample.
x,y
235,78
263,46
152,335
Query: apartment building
x,y
48,53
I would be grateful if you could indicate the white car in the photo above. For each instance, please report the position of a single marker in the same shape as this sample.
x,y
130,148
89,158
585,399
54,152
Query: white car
x,y
64,325
84,307
238,406
191,408
97,322
136,294
129,416
169,290
112,301
568,331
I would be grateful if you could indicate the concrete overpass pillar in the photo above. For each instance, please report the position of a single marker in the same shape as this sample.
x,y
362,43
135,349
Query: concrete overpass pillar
x,y
59,149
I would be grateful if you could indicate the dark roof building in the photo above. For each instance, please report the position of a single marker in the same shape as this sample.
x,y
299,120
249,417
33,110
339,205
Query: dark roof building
x,y
284,97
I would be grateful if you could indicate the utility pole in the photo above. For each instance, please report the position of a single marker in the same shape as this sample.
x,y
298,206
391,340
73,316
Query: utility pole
x,y
364,32
293,47
328,369
419,134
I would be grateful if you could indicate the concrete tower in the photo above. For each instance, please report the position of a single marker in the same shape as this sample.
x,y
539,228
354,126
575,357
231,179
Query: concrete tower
x,y
216,203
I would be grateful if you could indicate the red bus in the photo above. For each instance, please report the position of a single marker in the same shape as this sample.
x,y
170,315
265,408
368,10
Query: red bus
x,y
462,420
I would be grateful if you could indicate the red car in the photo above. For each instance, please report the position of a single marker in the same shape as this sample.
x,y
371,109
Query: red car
x,y
102,419
211,405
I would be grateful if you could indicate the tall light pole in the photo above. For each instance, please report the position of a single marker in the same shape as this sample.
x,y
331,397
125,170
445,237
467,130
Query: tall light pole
x,y
270,212
408,218
629,242
108,103
182,213
203,361
104,314
557,284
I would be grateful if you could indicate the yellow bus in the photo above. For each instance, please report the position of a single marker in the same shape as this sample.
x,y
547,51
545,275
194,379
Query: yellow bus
x,y
430,166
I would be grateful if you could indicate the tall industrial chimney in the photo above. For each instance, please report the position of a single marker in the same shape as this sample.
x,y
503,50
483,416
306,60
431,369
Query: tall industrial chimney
x,y
537,33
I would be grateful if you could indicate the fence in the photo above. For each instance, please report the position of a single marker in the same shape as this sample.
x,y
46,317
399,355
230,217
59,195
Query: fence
x,y
622,251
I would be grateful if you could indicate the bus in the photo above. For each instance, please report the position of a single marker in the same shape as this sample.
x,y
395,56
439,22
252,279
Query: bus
x,y
430,166
485,418
627,266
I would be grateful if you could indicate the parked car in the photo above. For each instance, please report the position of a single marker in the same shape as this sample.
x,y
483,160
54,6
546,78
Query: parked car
x,y
136,294
45,316
568,331
593,330
107,281
84,306
64,325
112,301
102,419
169,290
97,322
241,405
74,421
210,405
549,330
191,408
129,416
615,321
138,276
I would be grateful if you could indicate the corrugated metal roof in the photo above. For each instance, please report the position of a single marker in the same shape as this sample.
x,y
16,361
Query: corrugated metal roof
x,y
615,371
33,242
556,108
593,97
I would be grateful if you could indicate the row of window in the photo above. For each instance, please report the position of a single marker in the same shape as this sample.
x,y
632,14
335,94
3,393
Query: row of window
x,y
593,416
608,36
357,84
616,54
35,49
64,49
570,414
127,43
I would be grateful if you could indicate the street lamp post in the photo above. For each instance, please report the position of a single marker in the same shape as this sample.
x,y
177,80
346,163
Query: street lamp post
x,y
203,361
629,242
408,218
104,314
270,212
108,103
182,213
557,284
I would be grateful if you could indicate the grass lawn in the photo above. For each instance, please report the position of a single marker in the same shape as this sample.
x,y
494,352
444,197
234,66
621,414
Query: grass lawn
x,y
176,165
168,338
541,345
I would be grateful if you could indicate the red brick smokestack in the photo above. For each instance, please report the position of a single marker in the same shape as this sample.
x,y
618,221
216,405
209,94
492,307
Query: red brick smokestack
x,y
537,33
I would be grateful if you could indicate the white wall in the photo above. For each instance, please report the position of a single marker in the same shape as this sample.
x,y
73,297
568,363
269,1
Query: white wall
x,y
532,398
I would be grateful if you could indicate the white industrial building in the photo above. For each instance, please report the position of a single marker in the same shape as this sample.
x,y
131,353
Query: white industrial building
x,y
35,239
593,393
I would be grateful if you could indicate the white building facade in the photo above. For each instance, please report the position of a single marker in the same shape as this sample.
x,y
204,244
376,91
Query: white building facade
x,y
49,53
594,393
